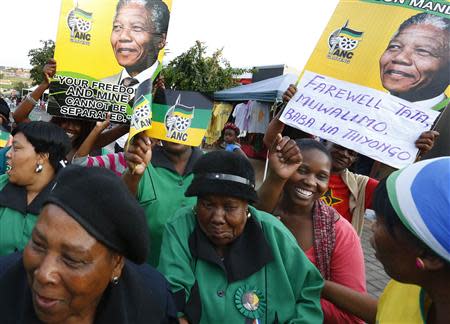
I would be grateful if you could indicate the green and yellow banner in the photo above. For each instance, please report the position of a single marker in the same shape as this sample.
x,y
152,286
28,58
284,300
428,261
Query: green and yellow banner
x,y
108,54
363,38
180,116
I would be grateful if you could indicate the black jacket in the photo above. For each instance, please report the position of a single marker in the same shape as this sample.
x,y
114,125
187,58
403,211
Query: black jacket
x,y
141,296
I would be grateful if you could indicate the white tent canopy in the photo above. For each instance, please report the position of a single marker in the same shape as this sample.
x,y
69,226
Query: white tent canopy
x,y
270,90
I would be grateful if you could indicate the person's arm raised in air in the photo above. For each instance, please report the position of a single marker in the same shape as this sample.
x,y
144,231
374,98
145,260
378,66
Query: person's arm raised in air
x,y
276,126
88,144
284,159
27,104
109,136
137,156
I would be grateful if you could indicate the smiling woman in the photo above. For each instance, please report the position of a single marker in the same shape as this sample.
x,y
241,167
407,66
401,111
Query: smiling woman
x,y
32,163
74,267
292,192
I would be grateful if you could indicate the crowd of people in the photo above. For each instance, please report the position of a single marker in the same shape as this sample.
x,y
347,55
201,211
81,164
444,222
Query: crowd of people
x,y
166,233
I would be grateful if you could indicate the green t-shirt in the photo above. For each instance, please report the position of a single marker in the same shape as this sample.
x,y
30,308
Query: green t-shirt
x,y
17,219
161,194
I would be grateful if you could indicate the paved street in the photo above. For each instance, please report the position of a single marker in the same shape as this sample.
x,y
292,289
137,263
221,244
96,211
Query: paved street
x,y
375,275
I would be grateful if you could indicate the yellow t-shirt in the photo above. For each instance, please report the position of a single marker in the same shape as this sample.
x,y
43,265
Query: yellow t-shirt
x,y
402,303
220,115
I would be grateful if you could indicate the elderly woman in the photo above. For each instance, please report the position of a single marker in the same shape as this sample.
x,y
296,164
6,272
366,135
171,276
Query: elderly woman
x,y
293,192
37,153
227,262
412,240
74,268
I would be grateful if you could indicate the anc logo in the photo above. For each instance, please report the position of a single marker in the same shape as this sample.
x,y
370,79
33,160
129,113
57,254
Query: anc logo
x,y
178,120
80,24
142,115
342,42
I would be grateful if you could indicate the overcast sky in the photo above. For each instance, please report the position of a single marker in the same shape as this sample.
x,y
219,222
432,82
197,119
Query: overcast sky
x,y
252,32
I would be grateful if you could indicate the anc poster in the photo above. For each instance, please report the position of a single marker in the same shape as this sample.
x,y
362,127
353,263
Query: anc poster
x,y
180,116
108,54
376,59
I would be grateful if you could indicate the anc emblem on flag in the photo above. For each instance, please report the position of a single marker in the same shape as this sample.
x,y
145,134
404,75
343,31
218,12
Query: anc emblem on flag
x,y
344,38
178,118
142,114
80,24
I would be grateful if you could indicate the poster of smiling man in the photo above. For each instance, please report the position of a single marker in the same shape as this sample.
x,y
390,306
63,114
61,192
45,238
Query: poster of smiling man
x,y
108,54
378,77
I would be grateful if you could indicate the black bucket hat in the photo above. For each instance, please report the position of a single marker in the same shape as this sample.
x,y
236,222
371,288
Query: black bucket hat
x,y
101,203
223,173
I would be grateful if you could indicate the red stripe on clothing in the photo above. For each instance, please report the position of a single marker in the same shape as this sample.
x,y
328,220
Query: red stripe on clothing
x,y
100,162
112,163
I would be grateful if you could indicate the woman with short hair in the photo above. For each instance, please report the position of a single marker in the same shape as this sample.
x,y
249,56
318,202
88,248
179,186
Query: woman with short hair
x,y
37,154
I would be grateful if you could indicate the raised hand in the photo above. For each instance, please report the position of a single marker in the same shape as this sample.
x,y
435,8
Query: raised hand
x,y
284,157
102,125
49,70
289,93
139,154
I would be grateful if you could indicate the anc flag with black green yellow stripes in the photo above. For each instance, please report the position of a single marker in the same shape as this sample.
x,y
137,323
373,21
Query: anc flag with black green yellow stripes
x,y
180,116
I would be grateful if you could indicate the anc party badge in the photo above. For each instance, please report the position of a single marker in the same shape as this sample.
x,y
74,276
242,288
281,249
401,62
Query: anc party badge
x,y
180,116
250,302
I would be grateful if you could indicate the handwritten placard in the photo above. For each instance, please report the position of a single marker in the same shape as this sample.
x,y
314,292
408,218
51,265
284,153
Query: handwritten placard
x,y
371,122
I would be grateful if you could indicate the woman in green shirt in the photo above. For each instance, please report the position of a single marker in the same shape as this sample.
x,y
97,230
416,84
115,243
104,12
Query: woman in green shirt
x,y
32,162
228,262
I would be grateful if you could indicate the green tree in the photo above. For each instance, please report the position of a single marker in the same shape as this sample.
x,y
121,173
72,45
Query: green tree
x,y
39,57
19,86
195,71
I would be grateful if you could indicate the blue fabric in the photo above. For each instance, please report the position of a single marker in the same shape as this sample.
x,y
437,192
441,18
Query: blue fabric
x,y
434,205
231,147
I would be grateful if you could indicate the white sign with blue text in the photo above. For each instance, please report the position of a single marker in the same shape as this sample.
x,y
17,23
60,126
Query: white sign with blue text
x,y
371,122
